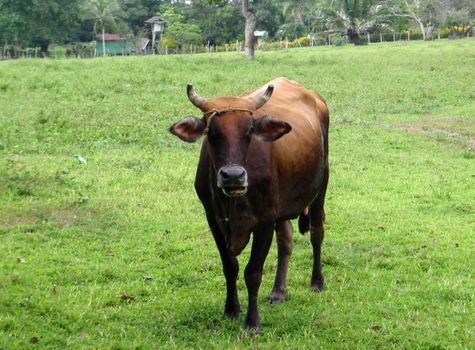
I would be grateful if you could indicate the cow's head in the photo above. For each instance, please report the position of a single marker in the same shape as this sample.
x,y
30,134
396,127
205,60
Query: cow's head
x,y
229,125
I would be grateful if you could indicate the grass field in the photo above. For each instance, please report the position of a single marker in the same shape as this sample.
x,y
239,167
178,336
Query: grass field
x,y
115,253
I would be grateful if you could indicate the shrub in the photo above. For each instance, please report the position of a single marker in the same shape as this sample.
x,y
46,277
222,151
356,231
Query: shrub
x,y
338,40
168,42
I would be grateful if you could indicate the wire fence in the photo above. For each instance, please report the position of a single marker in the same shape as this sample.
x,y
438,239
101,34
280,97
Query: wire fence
x,y
330,39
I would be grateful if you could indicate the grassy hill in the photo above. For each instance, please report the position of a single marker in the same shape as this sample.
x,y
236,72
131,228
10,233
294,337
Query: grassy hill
x,y
113,252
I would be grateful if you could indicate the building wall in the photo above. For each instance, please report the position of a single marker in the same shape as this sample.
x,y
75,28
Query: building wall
x,y
121,47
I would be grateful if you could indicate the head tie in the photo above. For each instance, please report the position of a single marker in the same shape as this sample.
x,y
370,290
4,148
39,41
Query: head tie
x,y
214,112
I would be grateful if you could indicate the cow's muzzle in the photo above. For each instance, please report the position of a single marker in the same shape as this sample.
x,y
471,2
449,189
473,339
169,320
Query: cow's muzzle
x,y
232,179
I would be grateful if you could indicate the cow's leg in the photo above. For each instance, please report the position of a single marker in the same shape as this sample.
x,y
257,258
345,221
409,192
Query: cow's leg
x,y
284,233
317,217
230,269
253,272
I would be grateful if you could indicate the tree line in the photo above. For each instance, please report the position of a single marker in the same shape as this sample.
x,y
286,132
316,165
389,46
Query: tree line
x,y
40,23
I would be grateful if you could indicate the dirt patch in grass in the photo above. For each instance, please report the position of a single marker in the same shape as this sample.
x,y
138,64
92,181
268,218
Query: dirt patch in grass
x,y
63,217
460,130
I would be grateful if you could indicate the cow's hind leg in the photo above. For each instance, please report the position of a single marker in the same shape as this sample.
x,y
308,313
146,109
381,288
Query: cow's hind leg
x,y
284,233
317,217
232,307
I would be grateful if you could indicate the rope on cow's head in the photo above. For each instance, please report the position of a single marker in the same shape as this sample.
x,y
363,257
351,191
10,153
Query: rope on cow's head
x,y
214,112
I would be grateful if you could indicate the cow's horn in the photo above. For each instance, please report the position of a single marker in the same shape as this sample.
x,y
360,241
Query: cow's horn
x,y
198,101
261,100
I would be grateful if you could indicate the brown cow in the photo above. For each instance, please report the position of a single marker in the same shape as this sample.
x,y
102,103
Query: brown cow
x,y
253,179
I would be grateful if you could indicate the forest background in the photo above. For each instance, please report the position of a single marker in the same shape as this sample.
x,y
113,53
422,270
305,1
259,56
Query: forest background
x,y
73,24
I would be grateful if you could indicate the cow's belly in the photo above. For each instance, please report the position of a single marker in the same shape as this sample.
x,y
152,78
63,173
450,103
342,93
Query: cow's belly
x,y
300,179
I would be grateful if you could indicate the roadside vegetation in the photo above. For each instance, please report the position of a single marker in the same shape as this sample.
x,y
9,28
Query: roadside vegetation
x,y
58,28
104,244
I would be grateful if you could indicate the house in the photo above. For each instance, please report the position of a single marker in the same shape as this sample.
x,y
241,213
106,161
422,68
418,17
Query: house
x,y
114,45
260,35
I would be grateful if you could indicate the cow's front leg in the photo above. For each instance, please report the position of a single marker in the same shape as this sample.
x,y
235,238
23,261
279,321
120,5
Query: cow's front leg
x,y
230,269
253,272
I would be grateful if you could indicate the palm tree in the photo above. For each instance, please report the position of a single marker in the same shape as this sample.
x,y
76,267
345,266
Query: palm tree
x,y
102,12
353,16
297,6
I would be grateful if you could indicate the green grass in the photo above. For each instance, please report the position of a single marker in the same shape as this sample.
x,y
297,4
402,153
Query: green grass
x,y
116,254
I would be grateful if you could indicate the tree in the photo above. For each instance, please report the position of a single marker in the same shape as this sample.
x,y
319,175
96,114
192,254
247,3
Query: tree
x,y
219,22
38,22
102,12
297,6
459,15
416,10
10,21
137,11
269,16
249,28
180,31
352,16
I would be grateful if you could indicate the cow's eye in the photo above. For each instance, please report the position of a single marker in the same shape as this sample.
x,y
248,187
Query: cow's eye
x,y
250,131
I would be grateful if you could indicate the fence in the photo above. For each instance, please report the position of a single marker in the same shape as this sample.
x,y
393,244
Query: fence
x,y
89,51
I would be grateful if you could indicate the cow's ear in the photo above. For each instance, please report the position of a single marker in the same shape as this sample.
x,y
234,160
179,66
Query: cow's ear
x,y
270,128
188,129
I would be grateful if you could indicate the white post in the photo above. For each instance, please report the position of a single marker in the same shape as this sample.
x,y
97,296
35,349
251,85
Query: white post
x,y
153,40
369,40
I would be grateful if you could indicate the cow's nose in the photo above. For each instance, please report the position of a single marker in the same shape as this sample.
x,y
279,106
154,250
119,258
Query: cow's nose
x,y
233,173
233,180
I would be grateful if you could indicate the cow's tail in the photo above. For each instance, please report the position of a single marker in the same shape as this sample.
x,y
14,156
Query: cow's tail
x,y
304,221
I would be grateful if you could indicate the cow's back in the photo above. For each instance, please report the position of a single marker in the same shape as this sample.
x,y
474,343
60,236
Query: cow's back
x,y
298,156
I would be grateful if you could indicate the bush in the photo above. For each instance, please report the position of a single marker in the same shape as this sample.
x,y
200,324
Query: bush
x,y
338,40
304,41
57,51
168,42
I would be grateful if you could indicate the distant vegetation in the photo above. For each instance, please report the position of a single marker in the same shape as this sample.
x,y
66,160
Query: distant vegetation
x,y
67,23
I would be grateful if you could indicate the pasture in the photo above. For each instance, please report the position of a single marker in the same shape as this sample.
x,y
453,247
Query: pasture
x,y
114,252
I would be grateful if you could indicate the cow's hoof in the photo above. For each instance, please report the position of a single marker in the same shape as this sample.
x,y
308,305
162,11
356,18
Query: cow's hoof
x,y
277,296
232,315
232,309
252,325
251,332
317,286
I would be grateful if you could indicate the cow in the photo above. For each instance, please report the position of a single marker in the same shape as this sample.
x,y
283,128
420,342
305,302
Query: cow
x,y
263,162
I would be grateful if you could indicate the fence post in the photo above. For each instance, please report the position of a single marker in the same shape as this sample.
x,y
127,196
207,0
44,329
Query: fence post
x,y
286,43
380,37
369,40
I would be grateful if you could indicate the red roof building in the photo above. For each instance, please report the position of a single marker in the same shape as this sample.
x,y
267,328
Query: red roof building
x,y
109,37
